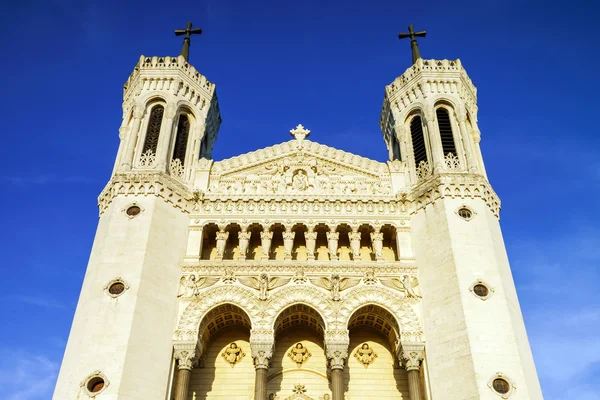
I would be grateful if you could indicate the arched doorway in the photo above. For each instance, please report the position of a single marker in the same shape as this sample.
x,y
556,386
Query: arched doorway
x,y
372,370
298,366
226,369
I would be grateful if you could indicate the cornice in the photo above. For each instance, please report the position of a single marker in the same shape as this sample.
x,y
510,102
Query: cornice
x,y
146,184
293,267
462,186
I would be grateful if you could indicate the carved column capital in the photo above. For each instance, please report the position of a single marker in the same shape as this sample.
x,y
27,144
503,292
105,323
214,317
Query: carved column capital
x,y
336,348
411,355
187,353
262,343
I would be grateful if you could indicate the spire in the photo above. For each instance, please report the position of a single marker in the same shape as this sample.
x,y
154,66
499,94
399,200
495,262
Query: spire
x,y
188,32
413,41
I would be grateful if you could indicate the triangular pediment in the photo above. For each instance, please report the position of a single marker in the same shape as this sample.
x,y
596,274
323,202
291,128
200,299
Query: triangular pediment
x,y
300,167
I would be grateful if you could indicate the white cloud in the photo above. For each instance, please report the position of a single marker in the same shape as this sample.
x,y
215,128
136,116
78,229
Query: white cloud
x,y
39,301
26,376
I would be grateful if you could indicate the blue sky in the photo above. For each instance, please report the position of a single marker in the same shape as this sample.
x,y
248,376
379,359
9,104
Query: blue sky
x,y
323,64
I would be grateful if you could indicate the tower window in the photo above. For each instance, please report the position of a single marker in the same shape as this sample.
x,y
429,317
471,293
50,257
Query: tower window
x,y
465,213
418,140
153,131
446,135
501,386
183,130
481,290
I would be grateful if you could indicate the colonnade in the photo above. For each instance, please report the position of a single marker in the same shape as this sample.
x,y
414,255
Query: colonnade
x,y
410,356
212,241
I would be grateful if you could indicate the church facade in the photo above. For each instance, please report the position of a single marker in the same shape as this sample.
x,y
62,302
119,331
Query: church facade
x,y
298,271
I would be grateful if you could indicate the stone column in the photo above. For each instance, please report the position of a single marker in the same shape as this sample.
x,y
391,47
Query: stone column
x,y
288,243
265,242
377,240
435,142
337,353
261,345
164,138
221,242
412,356
244,240
332,244
467,144
138,113
186,354
311,241
355,244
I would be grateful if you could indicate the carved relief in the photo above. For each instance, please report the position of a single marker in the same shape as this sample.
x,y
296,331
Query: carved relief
x,y
365,355
263,284
299,354
335,284
190,284
233,354
406,284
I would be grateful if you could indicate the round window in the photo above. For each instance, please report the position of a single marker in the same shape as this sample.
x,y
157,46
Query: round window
x,y
132,211
481,290
116,288
95,384
465,213
501,386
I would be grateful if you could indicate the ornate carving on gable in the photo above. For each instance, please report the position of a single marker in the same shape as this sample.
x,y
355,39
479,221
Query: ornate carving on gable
x,y
300,167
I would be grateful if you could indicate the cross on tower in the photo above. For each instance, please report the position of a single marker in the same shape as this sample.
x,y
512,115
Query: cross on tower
x,y
185,50
413,41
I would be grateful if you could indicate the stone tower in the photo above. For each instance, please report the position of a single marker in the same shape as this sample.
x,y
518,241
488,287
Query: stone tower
x,y
472,321
298,271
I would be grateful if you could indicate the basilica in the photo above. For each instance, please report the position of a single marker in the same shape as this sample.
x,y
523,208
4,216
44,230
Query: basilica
x,y
298,271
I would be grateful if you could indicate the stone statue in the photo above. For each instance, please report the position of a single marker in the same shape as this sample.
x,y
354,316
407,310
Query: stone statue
x,y
300,181
221,241
365,355
233,354
299,354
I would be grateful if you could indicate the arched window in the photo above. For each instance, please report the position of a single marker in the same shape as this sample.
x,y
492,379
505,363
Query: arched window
x,y
154,123
183,130
418,140
446,135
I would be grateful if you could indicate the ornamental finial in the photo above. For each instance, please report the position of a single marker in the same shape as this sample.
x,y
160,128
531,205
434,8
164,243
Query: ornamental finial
x,y
300,133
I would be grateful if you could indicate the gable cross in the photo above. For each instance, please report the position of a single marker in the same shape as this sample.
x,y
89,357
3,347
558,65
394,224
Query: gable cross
x,y
413,41
300,133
